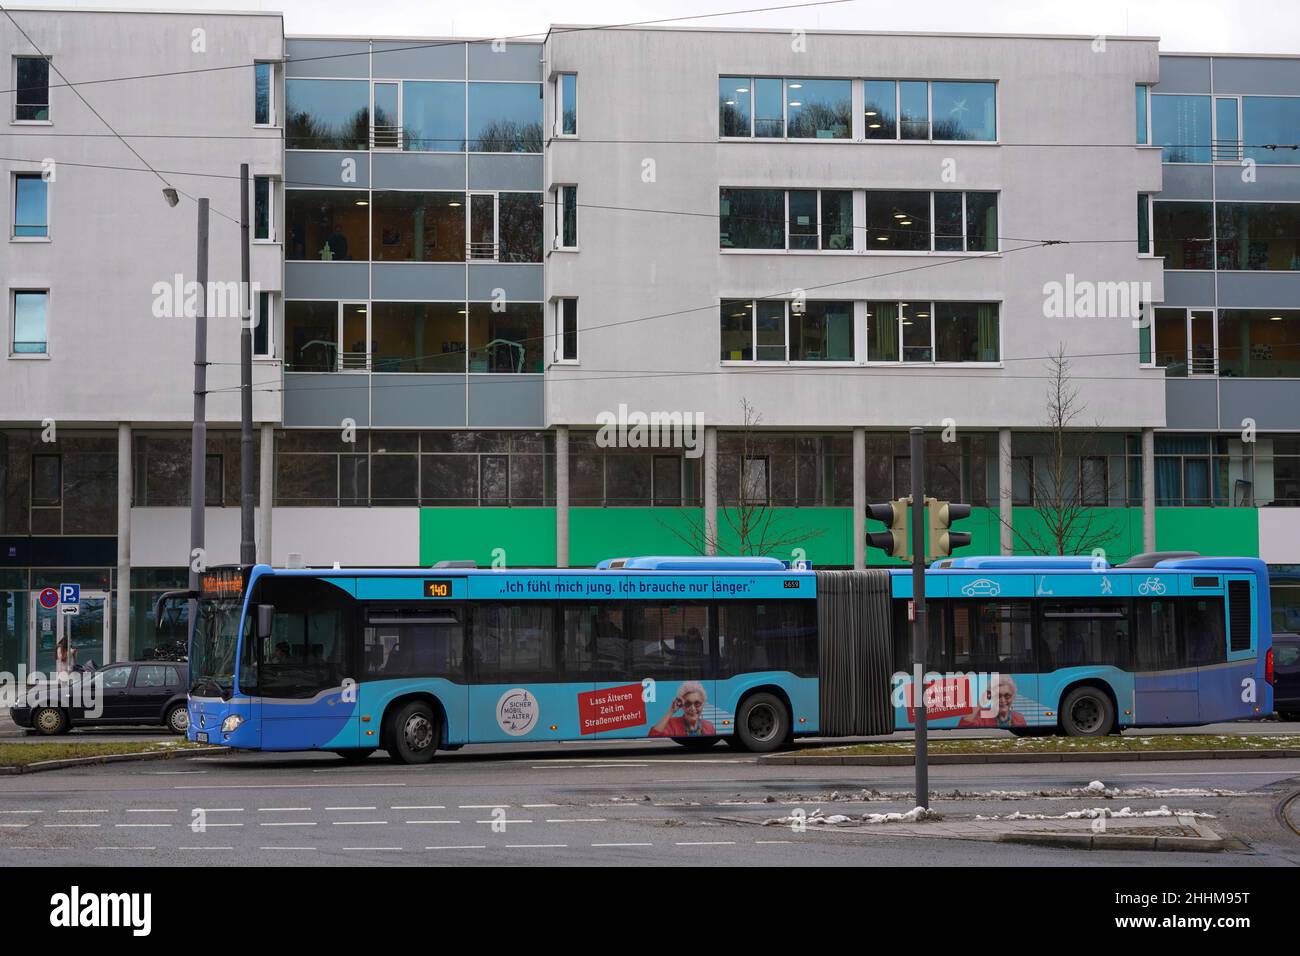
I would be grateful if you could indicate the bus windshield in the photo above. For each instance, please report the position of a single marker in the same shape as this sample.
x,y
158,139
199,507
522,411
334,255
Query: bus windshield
x,y
212,656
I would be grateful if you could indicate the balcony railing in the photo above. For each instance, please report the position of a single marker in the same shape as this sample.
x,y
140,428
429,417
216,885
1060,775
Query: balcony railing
x,y
354,361
1226,150
385,137
481,250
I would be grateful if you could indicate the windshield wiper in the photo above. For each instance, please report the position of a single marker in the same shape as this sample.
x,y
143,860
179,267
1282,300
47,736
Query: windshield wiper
x,y
209,682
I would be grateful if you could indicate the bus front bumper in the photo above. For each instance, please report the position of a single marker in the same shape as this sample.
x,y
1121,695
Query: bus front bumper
x,y
223,722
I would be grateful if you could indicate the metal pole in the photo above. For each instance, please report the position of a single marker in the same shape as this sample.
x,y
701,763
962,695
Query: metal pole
x,y
919,632
247,495
199,434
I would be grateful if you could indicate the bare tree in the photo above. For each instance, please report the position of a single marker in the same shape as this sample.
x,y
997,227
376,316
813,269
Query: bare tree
x,y
1069,519
747,524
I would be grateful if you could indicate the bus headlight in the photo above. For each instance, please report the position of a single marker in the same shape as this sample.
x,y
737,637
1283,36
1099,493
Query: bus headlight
x,y
231,724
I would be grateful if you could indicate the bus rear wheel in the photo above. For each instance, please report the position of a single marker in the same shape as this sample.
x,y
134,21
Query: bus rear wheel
x,y
1087,712
413,733
763,723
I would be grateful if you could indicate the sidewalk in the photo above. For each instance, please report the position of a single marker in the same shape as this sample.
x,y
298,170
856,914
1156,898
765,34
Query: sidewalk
x,y
7,727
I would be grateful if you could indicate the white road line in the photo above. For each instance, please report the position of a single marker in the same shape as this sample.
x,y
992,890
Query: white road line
x,y
503,822
14,826
351,808
70,826
372,848
538,806
222,809
478,846
284,809
286,848
578,820
281,786
359,823
142,825
765,842
126,848
622,844
83,811
430,807
483,806
170,773
710,843
418,822
22,811
536,846
287,824
164,810
556,767
205,848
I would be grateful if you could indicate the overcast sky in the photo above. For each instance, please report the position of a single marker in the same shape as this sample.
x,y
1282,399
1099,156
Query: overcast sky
x,y
1238,26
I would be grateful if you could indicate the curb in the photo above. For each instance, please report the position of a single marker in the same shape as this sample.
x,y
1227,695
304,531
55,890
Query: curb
x,y
1207,841
906,760
106,758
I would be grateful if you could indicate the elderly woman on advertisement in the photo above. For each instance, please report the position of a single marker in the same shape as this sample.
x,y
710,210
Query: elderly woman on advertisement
x,y
689,699
1001,695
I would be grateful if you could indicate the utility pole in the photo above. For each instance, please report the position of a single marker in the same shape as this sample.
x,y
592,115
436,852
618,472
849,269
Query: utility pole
x,y
199,433
919,632
247,544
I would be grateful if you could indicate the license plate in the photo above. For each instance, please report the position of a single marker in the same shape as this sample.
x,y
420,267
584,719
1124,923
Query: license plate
x,y
202,737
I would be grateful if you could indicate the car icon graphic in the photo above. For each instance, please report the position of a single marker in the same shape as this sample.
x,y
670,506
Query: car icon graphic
x,y
984,587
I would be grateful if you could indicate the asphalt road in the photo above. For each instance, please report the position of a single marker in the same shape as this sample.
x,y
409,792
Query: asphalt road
x,y
640,803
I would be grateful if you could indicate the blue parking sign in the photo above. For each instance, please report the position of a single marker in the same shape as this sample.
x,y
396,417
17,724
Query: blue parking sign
x,y
69,593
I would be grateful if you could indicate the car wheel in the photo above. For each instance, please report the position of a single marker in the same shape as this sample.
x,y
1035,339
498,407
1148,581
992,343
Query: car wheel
x,y
177,719
50,721
763,723
1087,712
413,733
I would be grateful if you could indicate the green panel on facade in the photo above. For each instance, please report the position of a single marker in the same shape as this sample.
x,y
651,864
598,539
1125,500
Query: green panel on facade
x,y
599,533
1222,532
823,536
526,536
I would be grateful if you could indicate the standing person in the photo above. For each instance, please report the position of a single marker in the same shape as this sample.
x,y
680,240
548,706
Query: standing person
x,y
689,699
65,657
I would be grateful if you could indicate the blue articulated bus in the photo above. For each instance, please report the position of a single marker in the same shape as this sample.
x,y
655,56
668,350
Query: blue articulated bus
x,y
746,650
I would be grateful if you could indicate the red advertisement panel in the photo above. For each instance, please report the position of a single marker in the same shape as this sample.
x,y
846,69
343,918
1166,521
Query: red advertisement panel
x,y
945,697
611,708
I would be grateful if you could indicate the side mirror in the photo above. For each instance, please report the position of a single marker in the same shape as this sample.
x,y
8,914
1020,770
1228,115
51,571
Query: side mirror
x,y
164,599
265,616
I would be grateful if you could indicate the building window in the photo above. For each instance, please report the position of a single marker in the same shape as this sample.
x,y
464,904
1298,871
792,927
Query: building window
x,y
1184,234
913,221
754,486
566,217
327,114
263,208
801,219
1259,343
941,332
799,331
771,108
31,89
47,481
566,105
214,480
1144,224
505,117
1258,236
419,226
311,336
1181,124
263,341
30,310
566,314
1143,126
31,206
508,341
1022,480
328,225
418,336
1227,130
433,116
940,111
1270,121
263,94
1093,484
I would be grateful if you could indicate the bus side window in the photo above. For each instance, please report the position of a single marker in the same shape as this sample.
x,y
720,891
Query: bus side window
x,y
1203,633
1157,636
514,642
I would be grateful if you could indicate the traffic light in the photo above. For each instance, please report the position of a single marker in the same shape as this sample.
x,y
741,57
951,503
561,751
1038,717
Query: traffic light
x,y
894,515
941,515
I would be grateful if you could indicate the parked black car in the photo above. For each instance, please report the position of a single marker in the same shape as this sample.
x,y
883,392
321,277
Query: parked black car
x,y
137,692
1286,676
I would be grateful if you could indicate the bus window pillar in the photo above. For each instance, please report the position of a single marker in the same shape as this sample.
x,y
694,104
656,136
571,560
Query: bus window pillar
x,y
859,498
122,626
561,496
265,491
710,489
1005,494
1148,489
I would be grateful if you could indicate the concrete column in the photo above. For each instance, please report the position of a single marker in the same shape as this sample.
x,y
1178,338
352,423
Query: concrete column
x,y
859,498
122,624
265,493
710,489
1006,479
1148,489
561,496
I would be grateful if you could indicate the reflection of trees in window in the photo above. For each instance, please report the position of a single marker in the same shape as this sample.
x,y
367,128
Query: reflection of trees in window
x,y
519,224
820,121
508,136
305,131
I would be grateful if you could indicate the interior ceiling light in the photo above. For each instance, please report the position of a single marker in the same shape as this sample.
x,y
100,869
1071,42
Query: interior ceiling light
x,y
796,86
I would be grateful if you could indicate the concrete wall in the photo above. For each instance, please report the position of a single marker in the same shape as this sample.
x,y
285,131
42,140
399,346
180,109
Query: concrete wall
x,y
652,95
112,235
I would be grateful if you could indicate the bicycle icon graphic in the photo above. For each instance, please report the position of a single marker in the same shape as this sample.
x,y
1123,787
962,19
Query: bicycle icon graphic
x,y
1152,586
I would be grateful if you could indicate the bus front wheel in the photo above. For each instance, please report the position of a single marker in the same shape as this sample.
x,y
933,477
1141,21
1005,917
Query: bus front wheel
x,y
413,734
763,723
1087,712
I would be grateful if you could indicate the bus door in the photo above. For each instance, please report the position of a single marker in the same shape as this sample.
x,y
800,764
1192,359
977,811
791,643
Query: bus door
x,y
1164,680
1222,642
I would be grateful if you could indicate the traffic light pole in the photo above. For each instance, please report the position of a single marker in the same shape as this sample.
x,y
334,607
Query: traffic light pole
x,y
919,632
